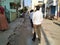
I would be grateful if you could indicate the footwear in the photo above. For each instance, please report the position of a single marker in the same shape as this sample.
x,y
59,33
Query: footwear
x,y
39,43
39,40
34,37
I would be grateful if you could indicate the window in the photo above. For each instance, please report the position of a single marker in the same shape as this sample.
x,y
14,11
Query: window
x,y
12,5
40,1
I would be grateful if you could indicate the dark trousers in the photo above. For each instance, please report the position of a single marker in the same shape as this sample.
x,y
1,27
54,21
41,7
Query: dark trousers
x,y
31,23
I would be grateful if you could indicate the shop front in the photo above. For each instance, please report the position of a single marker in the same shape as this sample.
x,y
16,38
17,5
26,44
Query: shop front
x,y
52,4
10,7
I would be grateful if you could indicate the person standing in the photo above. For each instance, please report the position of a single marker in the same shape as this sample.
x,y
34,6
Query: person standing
x,y
3,21
37,21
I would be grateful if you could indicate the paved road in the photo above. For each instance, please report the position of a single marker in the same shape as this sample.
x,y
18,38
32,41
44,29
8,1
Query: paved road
x,y
5,34
50,34
52,31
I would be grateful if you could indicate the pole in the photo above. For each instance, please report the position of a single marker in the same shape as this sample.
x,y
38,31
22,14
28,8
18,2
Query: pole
x,y
57,9
23,3
45,10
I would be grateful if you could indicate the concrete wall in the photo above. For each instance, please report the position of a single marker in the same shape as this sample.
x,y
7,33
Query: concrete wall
x,y
35,2
7,3
52,2
10,13
59,2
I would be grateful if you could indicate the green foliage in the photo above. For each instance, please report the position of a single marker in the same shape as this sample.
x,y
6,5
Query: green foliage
x,y
25,9
21,11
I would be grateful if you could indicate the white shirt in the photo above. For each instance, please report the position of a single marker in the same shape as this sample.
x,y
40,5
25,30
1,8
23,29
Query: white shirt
x,y
37,17
31,15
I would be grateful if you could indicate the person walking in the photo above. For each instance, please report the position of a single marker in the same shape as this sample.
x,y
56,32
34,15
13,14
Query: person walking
x,y
31,15
37,21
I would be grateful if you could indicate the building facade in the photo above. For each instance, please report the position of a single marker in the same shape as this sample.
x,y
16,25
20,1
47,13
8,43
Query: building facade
x,y
10,9
52,6
45,3
36,2
58,8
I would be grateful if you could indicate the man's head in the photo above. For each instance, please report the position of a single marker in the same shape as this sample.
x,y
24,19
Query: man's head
x,y
37,7
31,10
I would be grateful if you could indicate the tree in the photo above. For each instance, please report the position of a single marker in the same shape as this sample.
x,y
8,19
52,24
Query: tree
x,y
25,9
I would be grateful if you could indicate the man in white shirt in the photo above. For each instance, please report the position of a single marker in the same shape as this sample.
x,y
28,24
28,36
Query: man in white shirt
x,y
37,21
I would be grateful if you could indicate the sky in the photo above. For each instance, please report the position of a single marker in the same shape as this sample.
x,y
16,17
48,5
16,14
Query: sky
x,y
27,2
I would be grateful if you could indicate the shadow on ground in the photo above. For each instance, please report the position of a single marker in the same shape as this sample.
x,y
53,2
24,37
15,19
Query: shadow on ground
x,y
56,23
45,37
